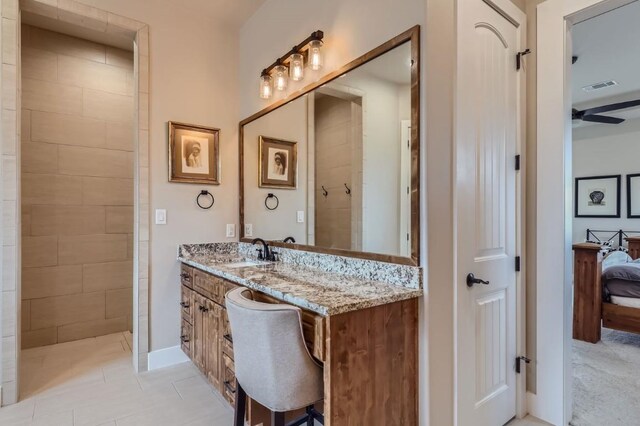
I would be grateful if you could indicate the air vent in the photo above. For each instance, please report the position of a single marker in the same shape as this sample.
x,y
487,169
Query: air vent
x,y
598,86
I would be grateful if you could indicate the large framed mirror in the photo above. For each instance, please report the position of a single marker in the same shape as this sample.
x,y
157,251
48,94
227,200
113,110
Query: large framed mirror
x,y
335,167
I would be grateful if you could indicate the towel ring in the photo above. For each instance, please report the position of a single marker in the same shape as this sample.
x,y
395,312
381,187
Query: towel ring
x,y
205,192
266,204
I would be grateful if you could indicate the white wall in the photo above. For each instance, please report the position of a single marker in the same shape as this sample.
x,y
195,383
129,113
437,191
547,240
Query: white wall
x,y
606,150
288,123
193,79
384,105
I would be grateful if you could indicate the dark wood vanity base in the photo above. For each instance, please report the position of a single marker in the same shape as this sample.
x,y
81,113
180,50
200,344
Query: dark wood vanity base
x,y
369,355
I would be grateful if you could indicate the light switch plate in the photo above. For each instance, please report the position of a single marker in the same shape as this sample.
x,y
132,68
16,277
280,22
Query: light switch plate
x,y
231,230
300,216
248,230
161,217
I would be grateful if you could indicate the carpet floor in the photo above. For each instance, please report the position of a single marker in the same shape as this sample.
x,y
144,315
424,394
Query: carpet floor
x,y
606,380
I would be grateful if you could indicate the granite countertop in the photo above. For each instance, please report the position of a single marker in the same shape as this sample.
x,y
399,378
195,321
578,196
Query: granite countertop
x,y
327,293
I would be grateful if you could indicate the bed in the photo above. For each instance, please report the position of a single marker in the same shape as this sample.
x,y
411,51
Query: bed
x,y
606,290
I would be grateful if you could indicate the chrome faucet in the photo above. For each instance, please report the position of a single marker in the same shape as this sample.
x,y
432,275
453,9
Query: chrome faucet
x,y
263,253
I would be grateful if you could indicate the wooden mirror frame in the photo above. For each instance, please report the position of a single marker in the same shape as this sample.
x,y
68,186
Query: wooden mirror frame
x,y
413,36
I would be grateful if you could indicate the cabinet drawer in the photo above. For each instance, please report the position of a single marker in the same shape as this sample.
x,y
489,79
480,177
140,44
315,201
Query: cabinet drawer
x,y
209,286
187,304
228,379
186,338
186,275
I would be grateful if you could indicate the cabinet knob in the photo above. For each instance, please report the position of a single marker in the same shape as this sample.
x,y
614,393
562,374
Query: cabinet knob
x,y
184,304
184,339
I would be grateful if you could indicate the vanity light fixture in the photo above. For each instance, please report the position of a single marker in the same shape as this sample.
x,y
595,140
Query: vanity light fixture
x,y
296,66
291,65
315,55
280,78
266,85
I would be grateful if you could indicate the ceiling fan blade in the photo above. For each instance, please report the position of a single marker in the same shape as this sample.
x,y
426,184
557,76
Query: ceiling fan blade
x,y
602,119
612,107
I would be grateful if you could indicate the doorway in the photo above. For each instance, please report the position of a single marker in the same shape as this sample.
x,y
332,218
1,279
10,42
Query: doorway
x,y
115,27
553,398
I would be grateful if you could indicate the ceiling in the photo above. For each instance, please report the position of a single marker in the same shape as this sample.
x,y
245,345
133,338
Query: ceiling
x,y
393,66
608,48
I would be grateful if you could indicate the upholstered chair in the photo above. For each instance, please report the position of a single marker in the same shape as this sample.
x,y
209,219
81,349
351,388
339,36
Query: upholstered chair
x,y
272,362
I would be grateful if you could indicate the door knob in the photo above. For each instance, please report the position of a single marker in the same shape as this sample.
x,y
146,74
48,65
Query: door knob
x,y
471,280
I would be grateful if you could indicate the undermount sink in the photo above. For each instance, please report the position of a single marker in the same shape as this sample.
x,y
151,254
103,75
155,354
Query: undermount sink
x,y
246,264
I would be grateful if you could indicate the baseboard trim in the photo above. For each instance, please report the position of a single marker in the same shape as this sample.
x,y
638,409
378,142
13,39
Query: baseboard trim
x,y
166,357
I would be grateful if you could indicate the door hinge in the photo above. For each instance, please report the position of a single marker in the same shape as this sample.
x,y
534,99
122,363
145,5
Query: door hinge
x,y
519,56
519,360
518,162
517,263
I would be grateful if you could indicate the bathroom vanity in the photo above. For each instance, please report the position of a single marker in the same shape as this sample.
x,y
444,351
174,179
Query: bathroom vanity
x,y
329,176
361,323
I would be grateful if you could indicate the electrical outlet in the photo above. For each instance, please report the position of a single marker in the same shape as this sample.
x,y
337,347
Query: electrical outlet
x,y
248,230
161,217
231,230
300,216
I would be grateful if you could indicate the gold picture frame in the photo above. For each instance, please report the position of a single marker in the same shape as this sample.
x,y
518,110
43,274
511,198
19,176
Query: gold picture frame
x,y
278,163
194,154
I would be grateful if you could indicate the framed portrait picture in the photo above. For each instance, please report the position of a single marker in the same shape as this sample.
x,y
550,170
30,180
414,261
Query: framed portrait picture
x,y
633,196
194,154
597,196
278,163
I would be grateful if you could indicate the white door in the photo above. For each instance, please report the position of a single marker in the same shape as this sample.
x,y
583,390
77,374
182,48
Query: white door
x,y
486,144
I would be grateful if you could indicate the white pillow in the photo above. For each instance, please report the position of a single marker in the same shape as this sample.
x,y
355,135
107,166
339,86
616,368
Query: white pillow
x,y
616,258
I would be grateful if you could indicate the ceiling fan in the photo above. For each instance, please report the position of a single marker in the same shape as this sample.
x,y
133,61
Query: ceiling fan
x,y
593,114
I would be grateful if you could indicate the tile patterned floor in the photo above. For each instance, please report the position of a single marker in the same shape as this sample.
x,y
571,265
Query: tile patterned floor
x,y
91,382
527,421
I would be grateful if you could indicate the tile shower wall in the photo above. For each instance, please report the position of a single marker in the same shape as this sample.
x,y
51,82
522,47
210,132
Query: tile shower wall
x,y
77,188
334,150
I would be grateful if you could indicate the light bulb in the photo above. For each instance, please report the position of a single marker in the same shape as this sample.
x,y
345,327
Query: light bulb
x,y
296,67
315,55
266,83
280,77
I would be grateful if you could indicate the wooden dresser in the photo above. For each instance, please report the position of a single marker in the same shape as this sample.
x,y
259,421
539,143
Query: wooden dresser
x,y
369,355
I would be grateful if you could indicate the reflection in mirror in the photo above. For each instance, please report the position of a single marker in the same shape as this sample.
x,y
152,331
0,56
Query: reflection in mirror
x,y
339,159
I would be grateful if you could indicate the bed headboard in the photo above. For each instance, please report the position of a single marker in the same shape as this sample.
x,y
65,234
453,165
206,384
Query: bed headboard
x,y
634,247
614,237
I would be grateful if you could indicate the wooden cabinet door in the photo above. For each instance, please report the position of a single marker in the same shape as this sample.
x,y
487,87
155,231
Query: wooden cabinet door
x,y
212,342
199,332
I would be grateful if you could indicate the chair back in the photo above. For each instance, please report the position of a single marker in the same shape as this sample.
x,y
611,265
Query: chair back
x,y
272,362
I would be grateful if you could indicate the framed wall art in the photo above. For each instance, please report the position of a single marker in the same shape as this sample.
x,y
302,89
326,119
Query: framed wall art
x,y
598,196
194,154
278,163
633,196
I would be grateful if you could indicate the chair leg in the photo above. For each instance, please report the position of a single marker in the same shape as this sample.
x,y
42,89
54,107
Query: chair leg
x,y
310,418
241,404
277,418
